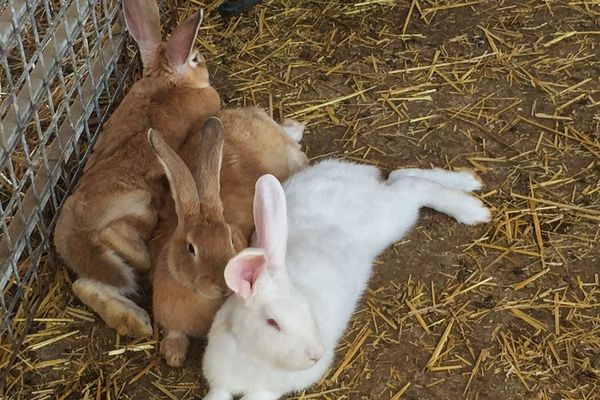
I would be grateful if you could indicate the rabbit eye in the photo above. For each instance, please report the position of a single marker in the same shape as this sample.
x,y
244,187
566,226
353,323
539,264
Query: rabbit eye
x,y
196,59
191,249
272,323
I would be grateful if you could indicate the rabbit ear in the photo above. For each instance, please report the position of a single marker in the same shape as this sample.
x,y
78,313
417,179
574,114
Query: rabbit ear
x,y
208,169
181,42
181,182
270,218
242,271
143,22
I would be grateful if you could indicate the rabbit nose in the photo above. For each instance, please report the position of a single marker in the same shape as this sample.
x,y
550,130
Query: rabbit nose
x,y
315,353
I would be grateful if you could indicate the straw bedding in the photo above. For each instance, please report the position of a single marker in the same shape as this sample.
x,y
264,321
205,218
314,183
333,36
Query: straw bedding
x,y
506,310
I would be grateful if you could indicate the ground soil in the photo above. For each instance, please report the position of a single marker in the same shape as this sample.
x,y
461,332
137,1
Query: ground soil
x,y
338,48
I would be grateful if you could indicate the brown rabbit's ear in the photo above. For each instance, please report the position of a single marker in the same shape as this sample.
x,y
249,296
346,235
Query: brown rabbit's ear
x,y
143,22
181,42
181,182
208,169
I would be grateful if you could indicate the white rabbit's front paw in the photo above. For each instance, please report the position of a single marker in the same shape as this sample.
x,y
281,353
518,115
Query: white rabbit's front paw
x,y
471,211
260,396
218,394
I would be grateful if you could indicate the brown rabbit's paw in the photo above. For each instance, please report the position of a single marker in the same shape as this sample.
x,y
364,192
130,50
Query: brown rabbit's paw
x,y
127,318
116,310
173,348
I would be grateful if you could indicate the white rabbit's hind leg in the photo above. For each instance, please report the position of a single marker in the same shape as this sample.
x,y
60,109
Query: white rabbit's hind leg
x,y
461,180
463,207
466,209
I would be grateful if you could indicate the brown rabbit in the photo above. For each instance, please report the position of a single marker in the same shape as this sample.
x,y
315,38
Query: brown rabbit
x,y
213,220
103,227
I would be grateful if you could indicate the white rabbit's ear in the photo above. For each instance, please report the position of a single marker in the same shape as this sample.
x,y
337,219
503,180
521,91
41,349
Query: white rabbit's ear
x,y
270,218
242,271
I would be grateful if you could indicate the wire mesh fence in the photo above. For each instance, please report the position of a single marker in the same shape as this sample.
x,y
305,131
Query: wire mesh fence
x,y
64,65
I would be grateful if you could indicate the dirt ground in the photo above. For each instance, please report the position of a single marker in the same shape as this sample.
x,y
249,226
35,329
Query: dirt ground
x,y
507,310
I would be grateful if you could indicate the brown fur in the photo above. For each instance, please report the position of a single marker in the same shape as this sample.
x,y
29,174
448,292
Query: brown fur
x,y
103,227
188,290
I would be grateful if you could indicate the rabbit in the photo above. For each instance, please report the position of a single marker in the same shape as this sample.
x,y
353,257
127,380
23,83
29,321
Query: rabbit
x,y
297,287
103,227
207,218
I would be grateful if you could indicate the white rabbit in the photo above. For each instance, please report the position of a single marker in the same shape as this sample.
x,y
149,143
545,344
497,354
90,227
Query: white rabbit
x,y
278,333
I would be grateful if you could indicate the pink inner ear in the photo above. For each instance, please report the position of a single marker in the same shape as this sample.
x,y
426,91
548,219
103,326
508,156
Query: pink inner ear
x,y
270,217
143,24
182,40
251,269
249,274
243,270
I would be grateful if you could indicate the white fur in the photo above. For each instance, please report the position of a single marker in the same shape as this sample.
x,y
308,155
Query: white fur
x,y
461,180
340,217
294,129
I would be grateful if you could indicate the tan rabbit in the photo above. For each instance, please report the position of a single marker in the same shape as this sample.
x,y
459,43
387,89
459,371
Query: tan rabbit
x,y
213,220
103,227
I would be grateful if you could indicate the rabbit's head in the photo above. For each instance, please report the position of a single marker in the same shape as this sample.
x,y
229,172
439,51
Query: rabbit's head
x,y
174,61
271,320
202,243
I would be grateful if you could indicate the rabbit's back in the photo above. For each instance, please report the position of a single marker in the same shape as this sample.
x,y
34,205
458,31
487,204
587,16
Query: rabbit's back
x,y
332,214
331,196
122,155
345,210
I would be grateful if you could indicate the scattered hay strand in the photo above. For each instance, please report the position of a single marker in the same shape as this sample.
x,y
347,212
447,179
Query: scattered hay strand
x,y
440,346
512,305
400,392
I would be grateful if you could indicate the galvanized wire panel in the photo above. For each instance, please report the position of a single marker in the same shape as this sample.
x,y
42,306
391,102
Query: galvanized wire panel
x,y
62,70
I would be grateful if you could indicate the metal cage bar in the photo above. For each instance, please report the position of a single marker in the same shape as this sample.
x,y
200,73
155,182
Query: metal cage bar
x,y
64,66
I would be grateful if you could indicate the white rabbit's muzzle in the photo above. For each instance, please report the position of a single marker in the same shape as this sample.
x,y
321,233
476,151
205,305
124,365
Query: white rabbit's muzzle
x,y
304,357
315,353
